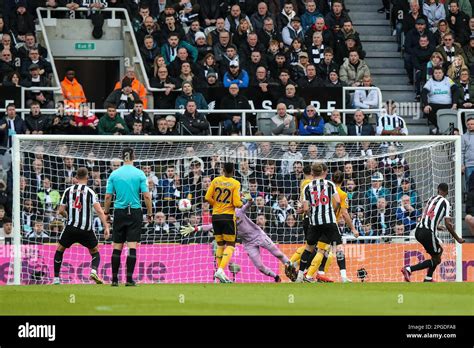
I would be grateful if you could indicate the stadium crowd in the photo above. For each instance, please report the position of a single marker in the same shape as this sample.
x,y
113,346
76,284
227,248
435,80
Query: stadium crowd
x,y
277,47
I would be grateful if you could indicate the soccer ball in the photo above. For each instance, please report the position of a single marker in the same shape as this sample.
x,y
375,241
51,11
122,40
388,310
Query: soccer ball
x,y
184,205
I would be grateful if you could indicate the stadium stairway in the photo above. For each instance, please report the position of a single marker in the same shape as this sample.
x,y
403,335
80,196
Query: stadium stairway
x,y
385,63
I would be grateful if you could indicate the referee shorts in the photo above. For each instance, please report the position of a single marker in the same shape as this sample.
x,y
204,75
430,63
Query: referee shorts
x,y
72,235
224,227
429,241
127,227
327,233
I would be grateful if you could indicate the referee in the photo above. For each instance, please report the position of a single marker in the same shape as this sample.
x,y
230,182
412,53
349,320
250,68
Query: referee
x,y
127,182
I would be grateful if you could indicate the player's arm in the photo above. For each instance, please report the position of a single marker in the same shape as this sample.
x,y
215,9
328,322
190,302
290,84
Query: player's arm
x,y
306,197
210,194
249,199
448,221
109,191
236,201
62,211
336,200
103,219
146,196
348,220
187,230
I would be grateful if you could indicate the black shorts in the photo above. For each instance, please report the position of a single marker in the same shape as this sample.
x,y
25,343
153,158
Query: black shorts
x,y
127,227
336,237
224,225
429,241
327,233
73,235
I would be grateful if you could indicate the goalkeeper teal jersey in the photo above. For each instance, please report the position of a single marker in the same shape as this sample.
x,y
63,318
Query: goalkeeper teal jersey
x,y
127,182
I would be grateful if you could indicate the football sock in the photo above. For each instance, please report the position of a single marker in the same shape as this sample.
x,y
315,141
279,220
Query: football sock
x,y
226,256
115,264
341,260
219,253
131,260
58,260
421,265
431,270
329,261
95,261
304,260
315,264
297,255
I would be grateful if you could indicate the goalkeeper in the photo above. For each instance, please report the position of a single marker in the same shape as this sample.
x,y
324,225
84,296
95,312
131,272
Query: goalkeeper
x,y
253,238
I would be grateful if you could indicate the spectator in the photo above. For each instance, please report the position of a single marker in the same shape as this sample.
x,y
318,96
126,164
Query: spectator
x,y
187,75
192,122
140,116
290,157
390,123
326,65
12,79
175,68
335,125
422,55
354,194
244,175
250,45
407,214
236,75
36,80
359,126
409,19
168,192
161,126
393,159
395,176
454,70
449,49
269,33
368,98
123,98
212,11
170,50
292,31
469,49
35,121
313,154
170,27
353,70
86,121
291,100
136,85
317,49
230,55
21,22
351,43
149,50
458,19
212,80
406,190
164,99
48,198
434,11
72,90
334,80
467,149
111,124
201,44
189,94
233,19
377,190
234,101
439,92
283,123
148,29
221,46
28,215
208,64
38,231
34,58
311,123
382,217
62,122
442,29
338,157
310,15
11,125
286,15
6,43
296,51
29,44
281,210
336,17
310,80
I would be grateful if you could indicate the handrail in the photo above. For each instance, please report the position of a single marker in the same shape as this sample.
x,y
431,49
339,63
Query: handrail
x,y
132,34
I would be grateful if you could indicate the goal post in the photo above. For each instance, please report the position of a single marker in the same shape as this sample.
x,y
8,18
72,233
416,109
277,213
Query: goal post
x,y
430,159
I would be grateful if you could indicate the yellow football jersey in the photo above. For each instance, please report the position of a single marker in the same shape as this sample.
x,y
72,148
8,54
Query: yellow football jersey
x,y
224,195
344,202
303,184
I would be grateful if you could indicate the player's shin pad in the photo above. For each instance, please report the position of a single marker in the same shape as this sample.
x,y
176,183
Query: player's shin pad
x,y
330,259
315,264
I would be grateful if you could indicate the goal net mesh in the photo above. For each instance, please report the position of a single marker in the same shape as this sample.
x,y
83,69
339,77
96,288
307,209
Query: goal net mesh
x,y
387,186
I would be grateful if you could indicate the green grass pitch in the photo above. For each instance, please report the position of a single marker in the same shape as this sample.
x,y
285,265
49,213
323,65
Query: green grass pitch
x,y
240,299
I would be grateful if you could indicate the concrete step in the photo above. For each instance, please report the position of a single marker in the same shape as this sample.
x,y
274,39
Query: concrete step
x,y
364,19
384,63
386,79
350,3
399,96
373,29
384,54
360,7
357,16
380,46
377,38
387,71
396,87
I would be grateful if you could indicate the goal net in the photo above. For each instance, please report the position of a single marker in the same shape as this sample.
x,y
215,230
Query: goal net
x,y
387,186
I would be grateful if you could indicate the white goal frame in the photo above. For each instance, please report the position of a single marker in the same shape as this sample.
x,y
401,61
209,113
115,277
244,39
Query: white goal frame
x,y
16,159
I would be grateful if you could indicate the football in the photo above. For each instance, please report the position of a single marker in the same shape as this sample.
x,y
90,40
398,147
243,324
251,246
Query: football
x,y
184,205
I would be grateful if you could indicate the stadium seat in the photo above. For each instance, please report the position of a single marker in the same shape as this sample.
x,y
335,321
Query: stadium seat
x,y
264,123
248,128
447,120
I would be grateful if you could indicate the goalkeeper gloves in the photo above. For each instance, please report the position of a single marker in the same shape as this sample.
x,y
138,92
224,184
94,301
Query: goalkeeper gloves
x,y
187,230
247,196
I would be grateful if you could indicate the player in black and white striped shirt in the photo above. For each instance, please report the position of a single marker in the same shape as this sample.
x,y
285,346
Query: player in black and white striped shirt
x,y
76,205
320,202
436,210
